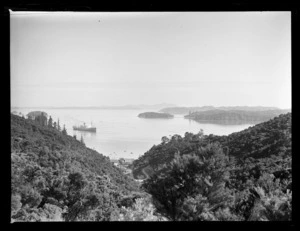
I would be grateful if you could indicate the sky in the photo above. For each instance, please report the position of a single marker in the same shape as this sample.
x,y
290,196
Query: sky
x,y
117,58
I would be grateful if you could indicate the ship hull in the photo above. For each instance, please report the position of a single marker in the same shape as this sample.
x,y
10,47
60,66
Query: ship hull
x,y
84,129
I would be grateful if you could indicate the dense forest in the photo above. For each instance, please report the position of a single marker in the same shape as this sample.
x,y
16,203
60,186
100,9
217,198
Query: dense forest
x,y
155,115
233,115
55,177
245,176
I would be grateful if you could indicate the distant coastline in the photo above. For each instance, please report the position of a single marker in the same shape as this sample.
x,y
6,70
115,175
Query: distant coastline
x,y
187,110
123,107
155,115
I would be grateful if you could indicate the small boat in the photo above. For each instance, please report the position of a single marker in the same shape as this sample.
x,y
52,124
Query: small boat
x,y
84,128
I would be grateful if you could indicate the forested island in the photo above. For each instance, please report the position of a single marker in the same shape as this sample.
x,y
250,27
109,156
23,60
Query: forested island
x,y
245,176
233,115
155,115
187,110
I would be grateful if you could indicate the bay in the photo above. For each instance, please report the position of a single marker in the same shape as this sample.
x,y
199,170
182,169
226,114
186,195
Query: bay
x,y
121,133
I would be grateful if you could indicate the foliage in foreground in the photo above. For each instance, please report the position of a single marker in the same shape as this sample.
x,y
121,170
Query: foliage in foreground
x,y
142,210
208,185
55,177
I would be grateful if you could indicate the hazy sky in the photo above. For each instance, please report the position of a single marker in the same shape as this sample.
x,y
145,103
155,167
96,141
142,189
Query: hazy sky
x,y
185,58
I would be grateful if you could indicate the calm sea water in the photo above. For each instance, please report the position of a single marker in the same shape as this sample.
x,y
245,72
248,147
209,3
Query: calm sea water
x,y
120,133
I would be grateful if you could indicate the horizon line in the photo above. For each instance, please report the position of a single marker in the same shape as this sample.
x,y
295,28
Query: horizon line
x,y
139,106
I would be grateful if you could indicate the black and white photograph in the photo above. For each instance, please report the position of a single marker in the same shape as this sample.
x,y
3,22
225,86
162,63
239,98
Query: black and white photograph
x,y
150,116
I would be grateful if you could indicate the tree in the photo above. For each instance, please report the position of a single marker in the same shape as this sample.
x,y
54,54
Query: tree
x,y
272,206
188,136
54,125
81,139
50,122
58,126
121,161
41,119
199,178
44,119
80,198
165,139
64,131
200,133
15,203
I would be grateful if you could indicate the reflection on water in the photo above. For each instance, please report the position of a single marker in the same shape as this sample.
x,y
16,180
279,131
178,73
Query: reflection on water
x,y
84,134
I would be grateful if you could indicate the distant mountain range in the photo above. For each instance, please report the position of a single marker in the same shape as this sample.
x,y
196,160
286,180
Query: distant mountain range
x,y
153,107
124,107
187,110
155,115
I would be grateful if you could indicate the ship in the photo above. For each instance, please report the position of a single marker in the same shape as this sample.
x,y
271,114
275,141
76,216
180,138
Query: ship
x,y
84,128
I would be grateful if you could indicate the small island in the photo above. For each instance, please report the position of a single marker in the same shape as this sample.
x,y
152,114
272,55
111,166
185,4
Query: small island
x,y
155,115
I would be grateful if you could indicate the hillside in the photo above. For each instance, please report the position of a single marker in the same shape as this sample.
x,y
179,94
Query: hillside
x,y
187,110
233,115
246,176
56,177
155,115
271,138
262,140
